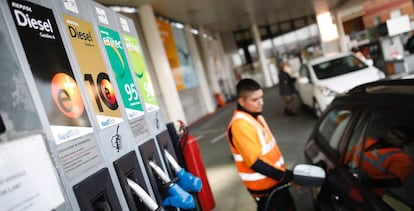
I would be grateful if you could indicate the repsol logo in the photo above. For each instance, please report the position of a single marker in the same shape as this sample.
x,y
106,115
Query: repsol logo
x,y
21,6
25,20
108,41
75,33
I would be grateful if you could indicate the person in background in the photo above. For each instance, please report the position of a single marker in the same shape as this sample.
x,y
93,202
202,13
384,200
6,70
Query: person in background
x,y
287,87
409,45
258,159
358,53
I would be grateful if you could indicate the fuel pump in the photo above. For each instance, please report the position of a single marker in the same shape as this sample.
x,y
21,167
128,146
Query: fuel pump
x,y
177,196
186,180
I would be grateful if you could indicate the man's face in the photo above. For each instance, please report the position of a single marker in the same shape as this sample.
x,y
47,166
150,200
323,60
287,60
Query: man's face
x,y
253,102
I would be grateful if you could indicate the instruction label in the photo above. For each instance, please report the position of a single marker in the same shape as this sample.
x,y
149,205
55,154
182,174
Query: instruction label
x,y
78,156
27,179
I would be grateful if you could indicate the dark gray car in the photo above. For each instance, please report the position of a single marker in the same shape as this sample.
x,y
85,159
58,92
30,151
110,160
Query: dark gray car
x,y
364,141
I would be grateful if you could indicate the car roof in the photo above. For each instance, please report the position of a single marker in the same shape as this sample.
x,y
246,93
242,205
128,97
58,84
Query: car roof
x,y
395,86
328,57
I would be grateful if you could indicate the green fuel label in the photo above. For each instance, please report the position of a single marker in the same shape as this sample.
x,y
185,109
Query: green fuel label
x,y
123,76
141,72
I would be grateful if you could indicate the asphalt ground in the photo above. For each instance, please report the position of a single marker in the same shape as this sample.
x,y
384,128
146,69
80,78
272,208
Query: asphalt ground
x,y
291,134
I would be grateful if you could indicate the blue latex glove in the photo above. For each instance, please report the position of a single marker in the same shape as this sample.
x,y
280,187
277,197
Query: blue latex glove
x,y
179,198
188,182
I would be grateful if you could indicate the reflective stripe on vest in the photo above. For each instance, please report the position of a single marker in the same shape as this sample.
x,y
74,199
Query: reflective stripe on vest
x,y
266,147
238,158
380,159
251,176
279,163
357,152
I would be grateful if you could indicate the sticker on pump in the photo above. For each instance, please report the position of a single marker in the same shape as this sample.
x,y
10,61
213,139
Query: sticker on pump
x,y
27,179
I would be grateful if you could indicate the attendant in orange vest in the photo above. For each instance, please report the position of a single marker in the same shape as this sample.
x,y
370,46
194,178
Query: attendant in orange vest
x,y
256,154
385,163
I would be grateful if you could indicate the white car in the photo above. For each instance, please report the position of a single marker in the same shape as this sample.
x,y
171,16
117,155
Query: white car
x,y
323,78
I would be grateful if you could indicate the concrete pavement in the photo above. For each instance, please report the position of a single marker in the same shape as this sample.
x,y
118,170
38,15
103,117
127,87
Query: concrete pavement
x,y
291,133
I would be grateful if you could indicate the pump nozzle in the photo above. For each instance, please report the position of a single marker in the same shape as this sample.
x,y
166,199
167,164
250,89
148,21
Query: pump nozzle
x,y
172,161
159,172
148,201
177,196
186,180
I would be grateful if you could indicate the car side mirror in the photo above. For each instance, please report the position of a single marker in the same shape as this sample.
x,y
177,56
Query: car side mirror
x,y
303,80
308,175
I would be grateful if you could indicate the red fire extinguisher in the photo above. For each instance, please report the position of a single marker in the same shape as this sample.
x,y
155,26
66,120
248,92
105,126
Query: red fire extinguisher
x,y
194,165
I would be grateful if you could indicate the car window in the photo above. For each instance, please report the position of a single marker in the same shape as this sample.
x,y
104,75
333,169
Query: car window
x,y
357,138
333,126
338,67
381,155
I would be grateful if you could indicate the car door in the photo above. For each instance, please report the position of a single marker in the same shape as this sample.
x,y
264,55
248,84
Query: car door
x,y
304,86
341,190
385,166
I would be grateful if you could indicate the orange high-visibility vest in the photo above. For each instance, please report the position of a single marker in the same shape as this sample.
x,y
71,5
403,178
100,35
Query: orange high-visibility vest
x,y
377,162
252,140
382,163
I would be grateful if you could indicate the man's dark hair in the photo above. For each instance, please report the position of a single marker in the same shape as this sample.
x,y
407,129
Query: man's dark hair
x,y
400,136
408,131
245,86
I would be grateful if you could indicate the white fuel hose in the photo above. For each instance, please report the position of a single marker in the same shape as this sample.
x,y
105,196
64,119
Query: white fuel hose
x,y
160,172
172,161
151,204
